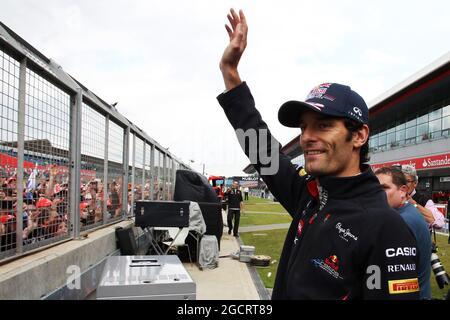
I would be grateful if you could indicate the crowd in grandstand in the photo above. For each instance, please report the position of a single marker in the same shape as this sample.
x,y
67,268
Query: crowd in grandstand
x,y
45,195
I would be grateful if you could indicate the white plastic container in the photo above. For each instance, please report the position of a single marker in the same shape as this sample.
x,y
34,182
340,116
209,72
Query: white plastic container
x,y
246,253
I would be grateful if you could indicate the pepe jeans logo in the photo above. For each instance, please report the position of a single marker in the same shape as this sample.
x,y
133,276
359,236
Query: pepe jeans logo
x,y
345,233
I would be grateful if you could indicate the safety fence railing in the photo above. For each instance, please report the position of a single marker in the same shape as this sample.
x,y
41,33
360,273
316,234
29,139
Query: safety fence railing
x,y
69,162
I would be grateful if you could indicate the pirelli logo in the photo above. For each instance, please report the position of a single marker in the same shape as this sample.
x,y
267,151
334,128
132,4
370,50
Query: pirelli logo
x,y
403,286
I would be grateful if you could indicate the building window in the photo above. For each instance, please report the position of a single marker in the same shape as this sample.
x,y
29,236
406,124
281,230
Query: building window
x,y
411,123
446,125
422,132
422,119
391,140
373,143
434,124
435,128
436,114
411,132
400,127
382,139
400,137
446,111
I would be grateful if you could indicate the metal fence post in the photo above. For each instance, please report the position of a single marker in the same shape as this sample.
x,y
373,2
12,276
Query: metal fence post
x,y
152,173
75,162
20,154
174,177
164,177
169,176
126,153
105,171
143,172
133,170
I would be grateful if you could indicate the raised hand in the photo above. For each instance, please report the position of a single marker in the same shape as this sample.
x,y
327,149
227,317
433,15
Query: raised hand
x,y
237,31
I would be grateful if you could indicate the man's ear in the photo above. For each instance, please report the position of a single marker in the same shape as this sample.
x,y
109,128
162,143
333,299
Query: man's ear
x,y
361,136
404,190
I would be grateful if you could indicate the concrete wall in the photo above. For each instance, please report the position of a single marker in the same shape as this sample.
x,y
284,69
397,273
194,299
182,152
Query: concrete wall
x,y
37,275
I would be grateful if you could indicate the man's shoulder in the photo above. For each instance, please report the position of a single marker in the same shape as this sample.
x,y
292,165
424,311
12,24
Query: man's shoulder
x,y
412,216
380,215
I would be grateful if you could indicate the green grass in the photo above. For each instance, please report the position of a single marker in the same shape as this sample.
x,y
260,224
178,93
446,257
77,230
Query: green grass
x,y
265,208
444,256
253,219
256,200
262,205
269,243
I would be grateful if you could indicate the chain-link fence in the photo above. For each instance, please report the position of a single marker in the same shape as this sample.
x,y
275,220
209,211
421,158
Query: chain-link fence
x,y
69,162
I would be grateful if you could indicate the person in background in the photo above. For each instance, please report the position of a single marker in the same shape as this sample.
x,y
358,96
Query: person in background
x,y
394,183
114,199
246,190
422,200
235,205
7,232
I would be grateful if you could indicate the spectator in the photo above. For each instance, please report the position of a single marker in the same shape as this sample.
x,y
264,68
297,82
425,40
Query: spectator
x,y
62,228
6,201
99,202
147,190
394,183
38,221
421,200
84,213
7,232
130,204
12,186
45,204
114,200
94,204
62,204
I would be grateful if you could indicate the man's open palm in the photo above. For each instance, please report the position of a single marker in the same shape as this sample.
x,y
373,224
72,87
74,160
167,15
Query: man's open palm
x,y
237,32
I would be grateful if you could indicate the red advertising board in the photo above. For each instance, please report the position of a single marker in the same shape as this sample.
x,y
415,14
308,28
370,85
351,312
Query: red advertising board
x,y
10,161
431,162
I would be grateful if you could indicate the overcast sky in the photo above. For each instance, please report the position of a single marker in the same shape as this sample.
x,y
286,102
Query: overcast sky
x,y
159,59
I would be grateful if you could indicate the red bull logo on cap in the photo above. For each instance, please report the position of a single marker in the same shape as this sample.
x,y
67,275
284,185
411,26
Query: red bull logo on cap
x,y
320,92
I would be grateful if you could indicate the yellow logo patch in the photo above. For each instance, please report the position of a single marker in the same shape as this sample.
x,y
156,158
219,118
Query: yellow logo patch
x,y
403,286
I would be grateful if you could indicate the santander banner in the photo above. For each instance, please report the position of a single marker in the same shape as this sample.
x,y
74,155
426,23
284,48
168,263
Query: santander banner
x,y
431,162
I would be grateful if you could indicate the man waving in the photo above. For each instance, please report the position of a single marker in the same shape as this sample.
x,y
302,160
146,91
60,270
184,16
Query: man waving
x,y
344,236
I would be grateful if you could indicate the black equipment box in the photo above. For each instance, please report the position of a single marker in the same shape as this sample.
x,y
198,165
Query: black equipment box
x,y
212,214
161,213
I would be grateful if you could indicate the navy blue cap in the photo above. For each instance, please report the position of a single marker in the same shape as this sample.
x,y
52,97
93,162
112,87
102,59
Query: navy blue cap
x,y
331,99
